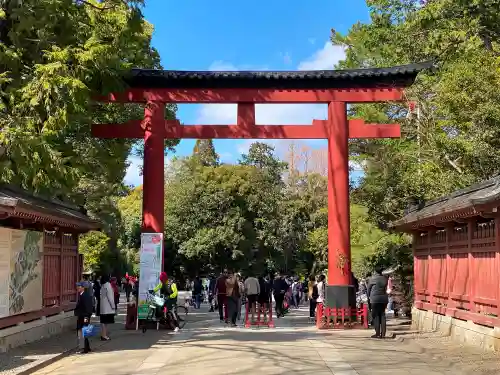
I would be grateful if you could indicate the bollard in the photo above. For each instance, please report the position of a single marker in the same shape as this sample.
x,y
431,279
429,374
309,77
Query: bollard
x,y
270,322
247,323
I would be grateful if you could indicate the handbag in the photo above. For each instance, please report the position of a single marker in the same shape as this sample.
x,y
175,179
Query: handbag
x,y
90,330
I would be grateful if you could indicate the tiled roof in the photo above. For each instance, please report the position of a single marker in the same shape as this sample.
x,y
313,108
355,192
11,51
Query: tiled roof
x,y
478,194
14,198
400,76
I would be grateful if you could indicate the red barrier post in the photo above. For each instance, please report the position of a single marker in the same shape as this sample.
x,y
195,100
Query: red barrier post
x,y
270,322
319,315
247,323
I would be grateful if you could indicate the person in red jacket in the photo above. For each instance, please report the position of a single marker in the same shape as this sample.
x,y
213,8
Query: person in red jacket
x,y
220,291
116,291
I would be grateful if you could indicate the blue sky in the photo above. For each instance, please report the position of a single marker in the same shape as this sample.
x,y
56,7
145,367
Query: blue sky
x,y
257,35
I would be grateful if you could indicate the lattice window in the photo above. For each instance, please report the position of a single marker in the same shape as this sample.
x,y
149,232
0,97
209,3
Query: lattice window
x,y
460,233
439,236
484,229
422,238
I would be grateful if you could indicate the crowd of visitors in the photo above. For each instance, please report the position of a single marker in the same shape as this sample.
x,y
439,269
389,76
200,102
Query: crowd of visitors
x,y
230,291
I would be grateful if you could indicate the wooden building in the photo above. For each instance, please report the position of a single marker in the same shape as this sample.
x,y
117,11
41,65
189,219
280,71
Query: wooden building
x,y
456,247
39,265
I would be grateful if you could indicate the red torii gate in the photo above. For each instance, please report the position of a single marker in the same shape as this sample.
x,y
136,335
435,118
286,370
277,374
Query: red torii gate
x,y
336,88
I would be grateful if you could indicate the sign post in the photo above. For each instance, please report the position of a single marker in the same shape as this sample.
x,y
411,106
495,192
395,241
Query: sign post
x,y
150,268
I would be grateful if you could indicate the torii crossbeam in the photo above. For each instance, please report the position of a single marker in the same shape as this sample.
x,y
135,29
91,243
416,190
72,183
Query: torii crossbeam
x,y
335,88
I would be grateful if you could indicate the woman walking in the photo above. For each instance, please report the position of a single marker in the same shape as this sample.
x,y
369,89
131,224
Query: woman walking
x,y
116,292
107,315
312,295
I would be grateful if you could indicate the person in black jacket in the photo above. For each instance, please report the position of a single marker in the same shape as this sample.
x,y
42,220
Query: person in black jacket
x,y
264,297
377,295
197,291
280,286
83,312
97,295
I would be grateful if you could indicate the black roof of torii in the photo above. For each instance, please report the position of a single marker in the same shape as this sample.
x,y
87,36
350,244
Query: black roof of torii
x,y
396,76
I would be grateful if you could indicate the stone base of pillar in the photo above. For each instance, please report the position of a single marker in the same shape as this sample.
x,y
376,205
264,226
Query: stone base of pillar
x,y
340,296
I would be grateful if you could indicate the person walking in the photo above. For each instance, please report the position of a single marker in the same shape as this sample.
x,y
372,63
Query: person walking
x,y
312,295
96,286
107,313
211,292
220,292
232,297
280,287
252,290
83,312
243,296
321,289
128,287
116,292
197,292
377,295
295,292
264,297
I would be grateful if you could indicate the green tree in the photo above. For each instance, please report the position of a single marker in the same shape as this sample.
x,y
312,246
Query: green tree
x,y
453,139
204,153
261,155
55,57
95,249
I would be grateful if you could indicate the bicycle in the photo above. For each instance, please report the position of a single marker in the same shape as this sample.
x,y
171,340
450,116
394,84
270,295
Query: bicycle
x,y
157,302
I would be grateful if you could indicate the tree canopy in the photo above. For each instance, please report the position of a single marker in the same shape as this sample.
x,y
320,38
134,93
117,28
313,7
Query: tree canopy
x,y
451,139
55,57
247,216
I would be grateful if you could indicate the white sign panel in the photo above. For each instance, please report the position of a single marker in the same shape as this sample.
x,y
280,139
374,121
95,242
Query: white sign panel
x,y
150,267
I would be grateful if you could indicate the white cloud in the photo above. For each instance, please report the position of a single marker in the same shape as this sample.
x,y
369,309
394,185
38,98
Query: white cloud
x,y
324,58
276,114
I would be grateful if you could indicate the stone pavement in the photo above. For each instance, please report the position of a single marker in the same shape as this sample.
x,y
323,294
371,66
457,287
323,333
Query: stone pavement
x,y
208,347
26,359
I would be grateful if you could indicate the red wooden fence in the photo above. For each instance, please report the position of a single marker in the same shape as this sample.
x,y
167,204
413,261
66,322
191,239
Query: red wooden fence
x,y
60,268
456,271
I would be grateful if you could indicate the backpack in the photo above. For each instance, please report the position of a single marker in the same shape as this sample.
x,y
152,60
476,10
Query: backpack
x,y
166,289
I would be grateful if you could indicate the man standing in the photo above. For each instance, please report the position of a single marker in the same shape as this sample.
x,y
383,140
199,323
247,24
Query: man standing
x,y
83,312
377,294
220,292
252,290
280,286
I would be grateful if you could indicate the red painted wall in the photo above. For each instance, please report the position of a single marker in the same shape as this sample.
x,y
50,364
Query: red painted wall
x,y
456,270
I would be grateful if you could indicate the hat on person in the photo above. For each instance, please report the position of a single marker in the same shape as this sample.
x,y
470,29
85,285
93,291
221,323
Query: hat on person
x,y
163,277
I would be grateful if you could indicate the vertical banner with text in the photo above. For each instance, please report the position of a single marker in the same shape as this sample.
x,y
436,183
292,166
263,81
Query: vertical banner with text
x,y
150,268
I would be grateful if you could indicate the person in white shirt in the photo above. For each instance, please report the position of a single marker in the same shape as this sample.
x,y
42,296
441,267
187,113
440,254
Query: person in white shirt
x,y
252,291
295,292
321,289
